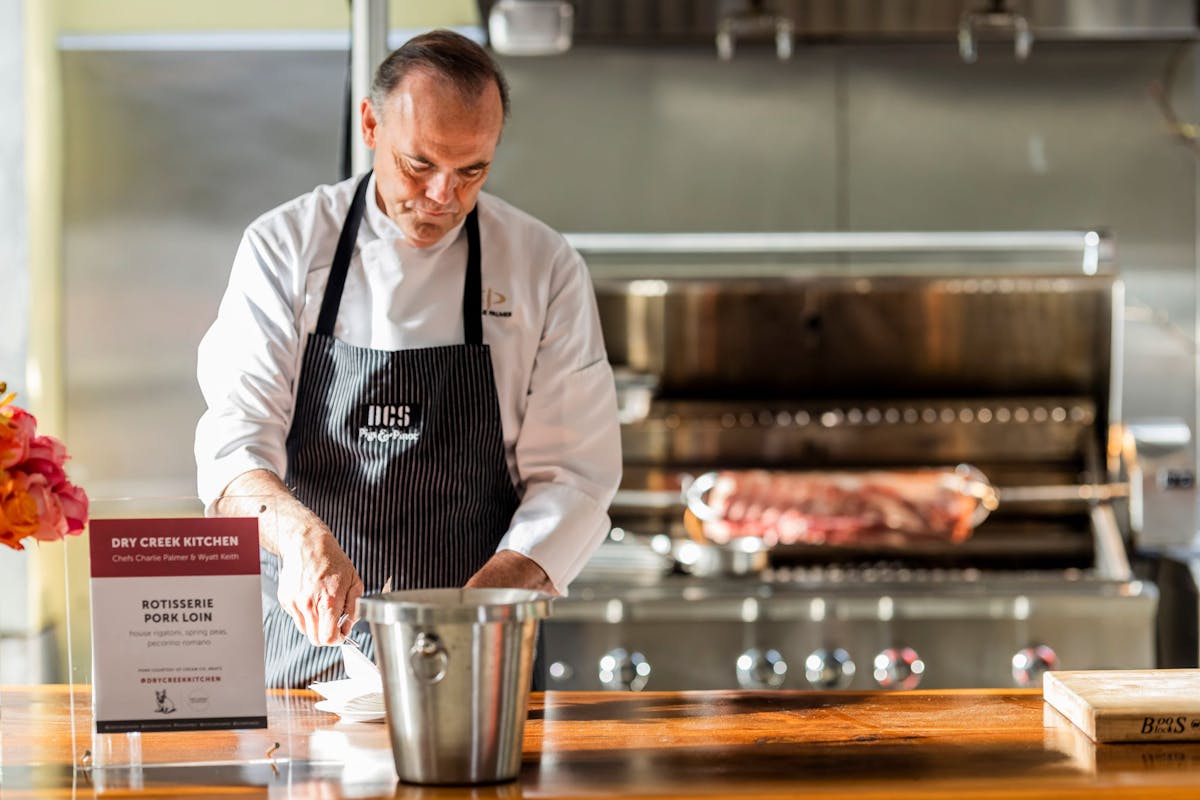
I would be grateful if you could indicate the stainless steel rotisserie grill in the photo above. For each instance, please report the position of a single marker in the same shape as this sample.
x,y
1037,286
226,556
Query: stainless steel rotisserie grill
x,y
1014,375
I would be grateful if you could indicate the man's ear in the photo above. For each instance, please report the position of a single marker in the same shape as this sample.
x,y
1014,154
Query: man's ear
x,y
369,122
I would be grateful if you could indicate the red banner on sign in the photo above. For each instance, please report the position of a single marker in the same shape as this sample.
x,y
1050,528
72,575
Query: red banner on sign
x,y
127,548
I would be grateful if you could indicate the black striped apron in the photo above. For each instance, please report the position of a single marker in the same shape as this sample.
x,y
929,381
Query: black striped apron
x,y
400,453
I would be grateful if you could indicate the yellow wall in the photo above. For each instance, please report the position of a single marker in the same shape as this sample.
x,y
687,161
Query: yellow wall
x,y
132,16
45,20
43,169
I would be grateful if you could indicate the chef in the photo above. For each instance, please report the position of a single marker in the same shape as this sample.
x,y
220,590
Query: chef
x,y
412,371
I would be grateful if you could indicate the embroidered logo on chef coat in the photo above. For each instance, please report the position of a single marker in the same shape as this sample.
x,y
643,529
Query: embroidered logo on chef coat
x,y
390,423
494,304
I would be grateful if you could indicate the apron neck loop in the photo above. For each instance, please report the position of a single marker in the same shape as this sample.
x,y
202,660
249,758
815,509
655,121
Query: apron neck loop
x,y
472,301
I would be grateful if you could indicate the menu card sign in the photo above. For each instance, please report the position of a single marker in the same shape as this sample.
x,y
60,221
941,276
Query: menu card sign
x,y
177,638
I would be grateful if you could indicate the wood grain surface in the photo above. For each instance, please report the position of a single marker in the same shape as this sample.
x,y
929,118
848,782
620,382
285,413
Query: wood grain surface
x,y
942,744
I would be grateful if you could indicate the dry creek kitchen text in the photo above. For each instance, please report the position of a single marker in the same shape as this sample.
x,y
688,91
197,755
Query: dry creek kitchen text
x,y
175,541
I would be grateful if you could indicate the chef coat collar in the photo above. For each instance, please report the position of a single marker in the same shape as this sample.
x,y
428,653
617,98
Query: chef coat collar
x,y
387,229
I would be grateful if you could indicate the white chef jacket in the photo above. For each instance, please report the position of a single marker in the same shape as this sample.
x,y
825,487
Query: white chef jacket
x,y
555,388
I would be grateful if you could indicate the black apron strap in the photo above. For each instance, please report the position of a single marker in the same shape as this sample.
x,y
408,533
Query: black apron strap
x,y
341,260
472,302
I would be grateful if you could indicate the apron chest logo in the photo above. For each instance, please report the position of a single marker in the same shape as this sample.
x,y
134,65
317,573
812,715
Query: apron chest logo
x,y
390,423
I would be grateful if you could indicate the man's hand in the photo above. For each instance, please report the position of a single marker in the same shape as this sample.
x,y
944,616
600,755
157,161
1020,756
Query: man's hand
x,y
509,569
317,583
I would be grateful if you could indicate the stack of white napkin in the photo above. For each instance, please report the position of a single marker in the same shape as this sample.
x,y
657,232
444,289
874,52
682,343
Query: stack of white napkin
x,y
358,698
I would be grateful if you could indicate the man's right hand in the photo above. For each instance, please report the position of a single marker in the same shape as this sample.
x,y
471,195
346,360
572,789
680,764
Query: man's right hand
x,y
318,585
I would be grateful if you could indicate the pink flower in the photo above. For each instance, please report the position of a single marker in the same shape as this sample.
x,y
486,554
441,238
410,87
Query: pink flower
x,y
74,503
47,456
17,429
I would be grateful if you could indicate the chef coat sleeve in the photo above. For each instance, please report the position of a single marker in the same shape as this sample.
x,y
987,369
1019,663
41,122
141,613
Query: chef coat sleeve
x,y
568,451
246,368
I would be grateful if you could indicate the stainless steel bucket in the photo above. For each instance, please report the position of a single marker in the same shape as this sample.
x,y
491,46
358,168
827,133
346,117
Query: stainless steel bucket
x,y
456,667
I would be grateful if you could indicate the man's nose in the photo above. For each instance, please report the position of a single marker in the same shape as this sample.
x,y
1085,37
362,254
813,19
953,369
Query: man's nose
x,y
441,186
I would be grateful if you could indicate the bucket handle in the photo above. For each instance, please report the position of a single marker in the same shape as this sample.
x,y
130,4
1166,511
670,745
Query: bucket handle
x,y
428,658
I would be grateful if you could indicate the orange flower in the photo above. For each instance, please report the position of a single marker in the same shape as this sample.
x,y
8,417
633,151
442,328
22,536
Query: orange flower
x,y
36,499
18,512
7,536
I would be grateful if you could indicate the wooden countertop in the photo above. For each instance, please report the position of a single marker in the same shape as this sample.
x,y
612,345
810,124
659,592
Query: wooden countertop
x,y
986,744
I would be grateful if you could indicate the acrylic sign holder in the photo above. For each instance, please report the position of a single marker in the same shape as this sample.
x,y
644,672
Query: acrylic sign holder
x,y
121,760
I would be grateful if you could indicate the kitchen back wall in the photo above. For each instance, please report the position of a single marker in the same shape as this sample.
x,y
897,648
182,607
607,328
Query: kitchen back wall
x,y
169,154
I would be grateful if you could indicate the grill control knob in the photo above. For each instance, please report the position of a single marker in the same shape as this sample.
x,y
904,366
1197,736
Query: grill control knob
x,y
561,672
898,668
761,669
621,671
829,669
1030,663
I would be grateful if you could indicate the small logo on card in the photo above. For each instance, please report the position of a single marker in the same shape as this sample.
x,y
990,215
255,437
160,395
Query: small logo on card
x,y
197,700
162,703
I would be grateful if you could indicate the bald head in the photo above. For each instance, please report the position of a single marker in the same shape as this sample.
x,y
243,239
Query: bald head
x,y
458,61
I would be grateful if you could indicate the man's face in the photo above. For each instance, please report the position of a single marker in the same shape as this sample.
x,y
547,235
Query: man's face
x,y
433,149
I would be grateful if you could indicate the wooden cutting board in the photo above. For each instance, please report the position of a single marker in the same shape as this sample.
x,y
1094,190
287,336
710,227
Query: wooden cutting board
x,y
1136,705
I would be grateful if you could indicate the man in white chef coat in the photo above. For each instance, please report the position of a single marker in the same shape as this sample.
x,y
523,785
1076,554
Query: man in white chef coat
x,y
413,370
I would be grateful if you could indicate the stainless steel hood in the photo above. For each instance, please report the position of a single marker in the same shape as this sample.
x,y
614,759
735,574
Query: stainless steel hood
x,y
731,23
681,20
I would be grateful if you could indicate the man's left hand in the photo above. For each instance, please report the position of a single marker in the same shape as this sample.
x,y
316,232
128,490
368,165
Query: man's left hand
x,y
509,569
